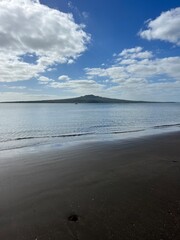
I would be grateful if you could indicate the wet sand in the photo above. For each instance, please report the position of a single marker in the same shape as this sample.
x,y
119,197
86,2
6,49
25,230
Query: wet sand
x,y
126,189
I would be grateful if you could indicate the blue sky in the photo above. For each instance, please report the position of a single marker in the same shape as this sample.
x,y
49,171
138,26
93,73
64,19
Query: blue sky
x,y
120,48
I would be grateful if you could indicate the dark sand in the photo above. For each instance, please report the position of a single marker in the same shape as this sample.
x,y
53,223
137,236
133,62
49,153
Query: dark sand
x,y
126,189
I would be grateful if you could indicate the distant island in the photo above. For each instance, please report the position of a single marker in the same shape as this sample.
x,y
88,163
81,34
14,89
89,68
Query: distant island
x,y
84,99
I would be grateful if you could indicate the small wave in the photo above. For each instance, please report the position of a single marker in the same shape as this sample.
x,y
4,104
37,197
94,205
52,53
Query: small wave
x,y
45,137
130,131
100,126
167,125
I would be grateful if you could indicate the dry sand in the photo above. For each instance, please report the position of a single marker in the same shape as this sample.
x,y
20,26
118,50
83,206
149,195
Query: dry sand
x,y
126,189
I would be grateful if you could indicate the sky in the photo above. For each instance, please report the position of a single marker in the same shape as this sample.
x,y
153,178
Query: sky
x,y
54,49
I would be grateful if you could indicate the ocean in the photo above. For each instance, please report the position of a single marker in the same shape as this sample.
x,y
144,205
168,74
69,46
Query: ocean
x,y
35,125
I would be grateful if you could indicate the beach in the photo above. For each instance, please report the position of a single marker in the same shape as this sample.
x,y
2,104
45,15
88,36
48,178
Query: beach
x,y
122,189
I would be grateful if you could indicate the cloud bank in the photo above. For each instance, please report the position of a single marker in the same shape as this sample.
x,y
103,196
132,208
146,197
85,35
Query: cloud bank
x,y
138,74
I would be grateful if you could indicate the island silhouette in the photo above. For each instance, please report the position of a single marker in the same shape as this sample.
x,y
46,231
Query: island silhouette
x,y
84,99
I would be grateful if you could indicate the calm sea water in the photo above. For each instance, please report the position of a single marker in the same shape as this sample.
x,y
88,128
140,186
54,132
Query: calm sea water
x,y
23,125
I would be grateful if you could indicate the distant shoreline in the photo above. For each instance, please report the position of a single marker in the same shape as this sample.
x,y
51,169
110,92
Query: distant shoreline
x,y
85,99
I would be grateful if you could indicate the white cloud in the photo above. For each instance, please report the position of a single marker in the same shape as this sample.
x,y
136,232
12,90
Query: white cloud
x,y
63,78
79,87
143,68
136,78
163,91
166,27
14,87
44,80
17,87
82,84
13,69
127,61
24,96
30,28
128,51
50,69
135,53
